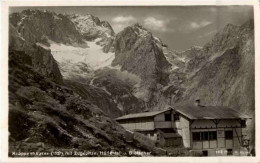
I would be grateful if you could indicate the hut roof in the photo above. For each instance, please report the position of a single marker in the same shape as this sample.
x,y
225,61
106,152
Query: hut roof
x,y
210,112
141,115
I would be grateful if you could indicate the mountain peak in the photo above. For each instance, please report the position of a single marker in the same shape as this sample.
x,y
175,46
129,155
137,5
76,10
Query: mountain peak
x,y
91,27
36,11
138,25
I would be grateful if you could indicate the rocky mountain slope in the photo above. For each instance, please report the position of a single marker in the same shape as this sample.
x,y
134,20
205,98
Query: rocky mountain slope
x,y
221,73
91,28
66,34
228,68
42,60
136,51
227,76
45,116
39,26
121,88
81,58
198,61
66,45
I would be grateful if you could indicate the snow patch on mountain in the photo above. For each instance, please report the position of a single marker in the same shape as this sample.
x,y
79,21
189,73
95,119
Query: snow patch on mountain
x,y
157,39
179,58
80,60
43,46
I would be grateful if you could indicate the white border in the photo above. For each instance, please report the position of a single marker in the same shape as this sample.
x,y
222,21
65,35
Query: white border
x,y
4,78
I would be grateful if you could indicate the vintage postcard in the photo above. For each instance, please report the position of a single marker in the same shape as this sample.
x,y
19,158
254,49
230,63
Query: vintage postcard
x,y
129,81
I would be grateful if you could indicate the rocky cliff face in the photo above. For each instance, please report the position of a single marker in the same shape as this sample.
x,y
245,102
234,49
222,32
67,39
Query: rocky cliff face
x,y
56,42
97,96
227,59
136,51
231,55
120,86
39,26
88,45
91,28
220,73
42,60
42,26
227,78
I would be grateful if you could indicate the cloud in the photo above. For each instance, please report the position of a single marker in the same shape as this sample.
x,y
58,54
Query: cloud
x,y
152,23
197,25
123,19
156,24
120,22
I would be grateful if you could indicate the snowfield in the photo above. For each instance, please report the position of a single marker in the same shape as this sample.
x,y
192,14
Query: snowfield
x,y
71,58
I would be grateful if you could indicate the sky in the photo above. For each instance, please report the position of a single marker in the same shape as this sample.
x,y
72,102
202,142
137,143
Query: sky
x,y
179,27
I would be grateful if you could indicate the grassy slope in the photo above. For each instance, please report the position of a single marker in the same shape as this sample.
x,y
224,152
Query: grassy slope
x,y
46,116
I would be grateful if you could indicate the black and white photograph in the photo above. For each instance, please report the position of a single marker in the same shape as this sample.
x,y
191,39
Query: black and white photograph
x,y
131,81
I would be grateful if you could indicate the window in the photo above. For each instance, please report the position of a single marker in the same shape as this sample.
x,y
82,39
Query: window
x,y
229,134
168,117
229,152
243,123
176,117
212,135
205,136
158,136
196,136
201,136
151,134
205,153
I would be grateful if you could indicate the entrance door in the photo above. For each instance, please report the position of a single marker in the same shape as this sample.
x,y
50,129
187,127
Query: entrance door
x,y
205,153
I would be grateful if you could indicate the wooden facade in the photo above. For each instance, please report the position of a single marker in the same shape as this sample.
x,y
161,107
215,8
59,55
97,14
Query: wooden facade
x,y
173,127
220,135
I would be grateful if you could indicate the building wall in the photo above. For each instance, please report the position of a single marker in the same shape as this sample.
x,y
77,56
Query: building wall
x,y
221,142
181,125
235,142
229,123
149,123
160,117
203,144
183,129
203,123
138,124
159,121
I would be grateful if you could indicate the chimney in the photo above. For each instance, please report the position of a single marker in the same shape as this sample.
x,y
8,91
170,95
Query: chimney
x,y
197,102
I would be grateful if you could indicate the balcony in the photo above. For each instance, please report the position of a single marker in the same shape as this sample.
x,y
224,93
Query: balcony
x,y
164,124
